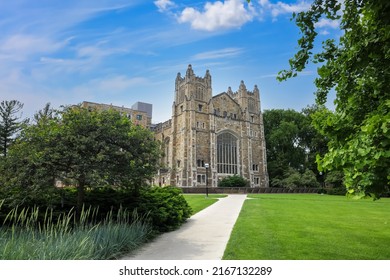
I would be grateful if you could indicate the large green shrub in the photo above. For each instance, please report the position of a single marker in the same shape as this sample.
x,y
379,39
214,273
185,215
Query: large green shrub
x,y
234,181
165,206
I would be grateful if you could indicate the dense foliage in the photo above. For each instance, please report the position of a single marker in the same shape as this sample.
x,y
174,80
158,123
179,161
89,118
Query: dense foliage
x,y
292,145
76,158
163,208
234,181
79,147
357,67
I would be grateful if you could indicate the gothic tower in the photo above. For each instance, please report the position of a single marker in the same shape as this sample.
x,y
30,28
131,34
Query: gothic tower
x,y
211,137
190,124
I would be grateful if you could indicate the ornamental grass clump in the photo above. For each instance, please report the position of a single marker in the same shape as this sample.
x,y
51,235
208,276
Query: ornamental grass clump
x,y
24,237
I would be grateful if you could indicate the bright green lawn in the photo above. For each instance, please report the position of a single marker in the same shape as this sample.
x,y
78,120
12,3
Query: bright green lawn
x,y
200,201
288,227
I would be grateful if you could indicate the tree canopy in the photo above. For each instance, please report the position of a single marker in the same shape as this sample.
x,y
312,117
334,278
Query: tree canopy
x,y
357,67
84,148
292,145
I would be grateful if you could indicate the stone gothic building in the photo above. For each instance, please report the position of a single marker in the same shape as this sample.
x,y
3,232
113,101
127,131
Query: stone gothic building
x,y
222,135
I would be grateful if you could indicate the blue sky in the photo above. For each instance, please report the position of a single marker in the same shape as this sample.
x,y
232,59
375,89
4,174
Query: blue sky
x,y
121,52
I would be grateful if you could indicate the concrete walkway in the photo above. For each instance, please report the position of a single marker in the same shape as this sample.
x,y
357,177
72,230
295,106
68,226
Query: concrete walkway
x,y
203,237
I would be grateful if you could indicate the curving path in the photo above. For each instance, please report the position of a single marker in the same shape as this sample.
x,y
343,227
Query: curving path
x,y
203,237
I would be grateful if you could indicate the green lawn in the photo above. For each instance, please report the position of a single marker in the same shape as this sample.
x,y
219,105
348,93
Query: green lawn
x,y
318,227
200,201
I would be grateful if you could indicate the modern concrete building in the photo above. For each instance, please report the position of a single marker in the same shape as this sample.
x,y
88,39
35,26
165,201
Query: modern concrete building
x,y
144,107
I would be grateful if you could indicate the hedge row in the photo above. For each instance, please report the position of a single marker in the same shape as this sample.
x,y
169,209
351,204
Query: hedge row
x,y
165,208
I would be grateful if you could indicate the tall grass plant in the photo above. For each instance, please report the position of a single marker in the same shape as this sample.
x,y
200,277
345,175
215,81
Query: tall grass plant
x,y
24,236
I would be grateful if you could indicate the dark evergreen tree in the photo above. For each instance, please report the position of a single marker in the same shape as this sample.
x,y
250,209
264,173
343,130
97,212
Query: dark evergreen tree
x,y
10,123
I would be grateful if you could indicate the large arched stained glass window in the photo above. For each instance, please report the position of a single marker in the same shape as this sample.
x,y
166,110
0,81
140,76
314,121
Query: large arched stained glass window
x,y
227,153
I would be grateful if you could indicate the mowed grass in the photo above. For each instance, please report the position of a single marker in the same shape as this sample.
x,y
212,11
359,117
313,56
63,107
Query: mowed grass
x,y
310,227
199,201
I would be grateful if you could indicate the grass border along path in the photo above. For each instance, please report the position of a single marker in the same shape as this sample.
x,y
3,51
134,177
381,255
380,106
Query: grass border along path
x,y
199,201
310,226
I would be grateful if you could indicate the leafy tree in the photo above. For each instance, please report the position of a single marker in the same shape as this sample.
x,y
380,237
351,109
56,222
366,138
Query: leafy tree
x,y
287,134
357,67
317,144
46,113
84,148
309,180
10,123
293,179
334,179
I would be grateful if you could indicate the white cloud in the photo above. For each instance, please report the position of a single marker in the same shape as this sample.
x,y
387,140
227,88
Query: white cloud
x,y
31,28
20,46
164,5
217,15
227,52
324,22
117,83
324,32
281,8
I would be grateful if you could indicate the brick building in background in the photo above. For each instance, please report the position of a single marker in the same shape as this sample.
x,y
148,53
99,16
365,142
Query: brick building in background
x,y
139,114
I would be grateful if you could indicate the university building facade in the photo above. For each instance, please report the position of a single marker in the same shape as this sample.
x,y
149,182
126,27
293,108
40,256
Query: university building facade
x,y
140,113
221,135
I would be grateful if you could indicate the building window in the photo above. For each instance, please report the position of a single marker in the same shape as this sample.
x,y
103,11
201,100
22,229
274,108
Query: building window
x,y
200,108
257,180
255,167
139,117
166,151
200,163
252,119
181,108
227,153
199,93
201,179
251,105
178,163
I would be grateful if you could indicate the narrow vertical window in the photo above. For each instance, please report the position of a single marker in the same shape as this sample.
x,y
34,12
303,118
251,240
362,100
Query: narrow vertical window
x,y
227,153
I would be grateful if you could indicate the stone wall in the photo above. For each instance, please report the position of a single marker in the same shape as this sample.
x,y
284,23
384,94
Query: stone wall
x,y
198,190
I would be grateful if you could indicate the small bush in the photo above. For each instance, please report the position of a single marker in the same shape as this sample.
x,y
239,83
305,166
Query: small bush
x,y
234,181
